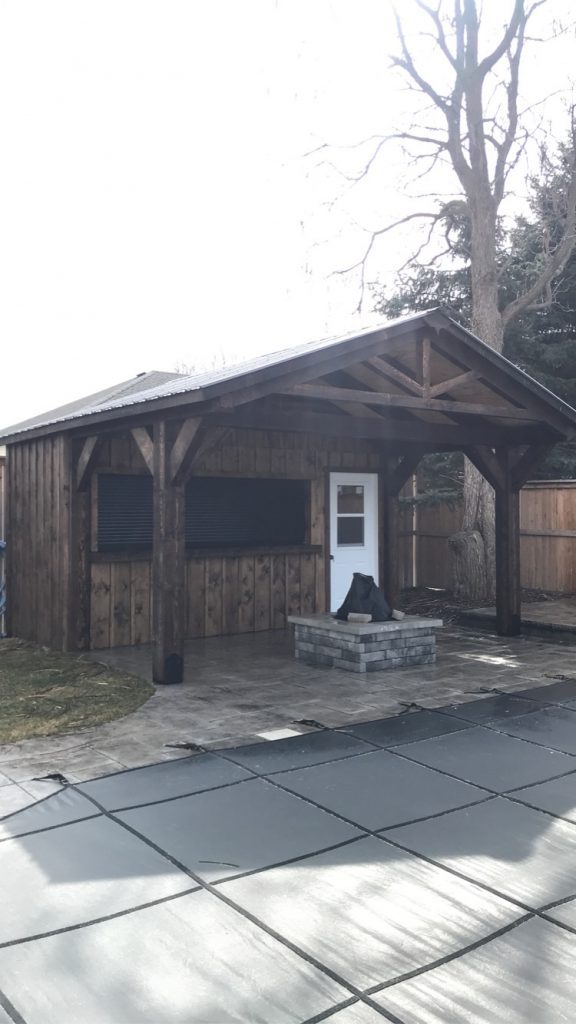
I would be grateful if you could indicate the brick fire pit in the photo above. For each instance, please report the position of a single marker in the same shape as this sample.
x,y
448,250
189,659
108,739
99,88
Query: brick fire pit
x,y
365,647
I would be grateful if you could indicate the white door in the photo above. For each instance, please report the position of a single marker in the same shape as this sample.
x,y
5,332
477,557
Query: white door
x,y
353,531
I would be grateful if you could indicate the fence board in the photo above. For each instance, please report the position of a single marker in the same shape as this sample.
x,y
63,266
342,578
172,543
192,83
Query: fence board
x,y
547,539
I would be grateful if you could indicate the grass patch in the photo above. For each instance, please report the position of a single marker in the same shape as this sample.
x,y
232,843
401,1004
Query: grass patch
x,y
43,692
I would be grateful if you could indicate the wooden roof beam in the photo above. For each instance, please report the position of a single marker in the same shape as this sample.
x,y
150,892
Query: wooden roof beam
x,y
487,464
87,460
145,446
526,463
385,429
356,409
535,407
184,450
446,386
331,393
386,369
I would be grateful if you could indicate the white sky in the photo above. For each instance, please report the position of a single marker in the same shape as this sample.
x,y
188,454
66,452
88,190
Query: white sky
x,y
155,205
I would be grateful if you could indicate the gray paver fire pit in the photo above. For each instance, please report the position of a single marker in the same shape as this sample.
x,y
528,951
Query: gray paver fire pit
x,y
365,647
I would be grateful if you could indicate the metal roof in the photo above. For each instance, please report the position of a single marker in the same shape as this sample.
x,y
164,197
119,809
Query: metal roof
x,y
140,385
154,386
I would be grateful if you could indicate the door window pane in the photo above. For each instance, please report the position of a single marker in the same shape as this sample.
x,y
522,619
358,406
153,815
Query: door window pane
x,y
350,499
350,530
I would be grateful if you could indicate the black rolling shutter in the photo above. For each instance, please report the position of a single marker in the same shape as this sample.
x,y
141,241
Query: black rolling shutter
x,y
220,512
124,512
245,512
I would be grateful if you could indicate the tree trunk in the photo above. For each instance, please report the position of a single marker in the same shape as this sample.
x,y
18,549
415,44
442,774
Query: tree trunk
x,y
473,551
473,548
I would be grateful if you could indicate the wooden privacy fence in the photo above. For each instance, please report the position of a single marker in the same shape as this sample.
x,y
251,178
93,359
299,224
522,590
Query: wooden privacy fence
x,y
547,539
2,538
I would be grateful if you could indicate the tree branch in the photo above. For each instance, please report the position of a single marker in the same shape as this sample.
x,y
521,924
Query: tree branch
x,y
556,258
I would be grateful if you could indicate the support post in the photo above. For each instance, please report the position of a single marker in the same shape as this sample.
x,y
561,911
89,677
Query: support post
x,y
389,554
78,462
168,565
394,475
508,609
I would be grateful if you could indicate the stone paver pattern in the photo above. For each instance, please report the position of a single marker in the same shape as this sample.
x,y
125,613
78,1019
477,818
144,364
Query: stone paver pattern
x,y
417,868
241,689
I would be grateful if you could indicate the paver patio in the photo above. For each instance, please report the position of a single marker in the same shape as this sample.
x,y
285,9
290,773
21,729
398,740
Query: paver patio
x,y
418,869
241,689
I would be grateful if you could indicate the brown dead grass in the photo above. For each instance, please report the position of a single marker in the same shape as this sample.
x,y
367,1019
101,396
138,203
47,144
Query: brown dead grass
x,y
43,693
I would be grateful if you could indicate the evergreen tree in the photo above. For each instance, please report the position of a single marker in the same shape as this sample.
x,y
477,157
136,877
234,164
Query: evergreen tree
x,y
542,340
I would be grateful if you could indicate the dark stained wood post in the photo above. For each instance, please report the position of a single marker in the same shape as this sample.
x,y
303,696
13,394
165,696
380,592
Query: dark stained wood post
x,y
168,564
389,554
508,611
79,458
394,475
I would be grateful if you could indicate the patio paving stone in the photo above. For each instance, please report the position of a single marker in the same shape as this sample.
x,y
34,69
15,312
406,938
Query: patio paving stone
x,y
517,851
297,751
379,790
228,831
407,728
371,894
79,872
209,965
490,759
523,977
190,774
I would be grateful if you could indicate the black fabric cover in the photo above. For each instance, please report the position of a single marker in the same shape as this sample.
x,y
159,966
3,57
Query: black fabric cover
x,y
365,597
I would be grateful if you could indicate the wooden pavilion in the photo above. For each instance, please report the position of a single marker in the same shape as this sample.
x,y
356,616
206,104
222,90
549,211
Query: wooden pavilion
x,y
171,507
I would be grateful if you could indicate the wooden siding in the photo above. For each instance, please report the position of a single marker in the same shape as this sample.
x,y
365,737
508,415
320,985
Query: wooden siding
x,y
2,497
37,529
225,594
240,592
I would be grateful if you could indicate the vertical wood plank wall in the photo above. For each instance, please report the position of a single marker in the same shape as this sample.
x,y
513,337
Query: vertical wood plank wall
x,y
246,591
2,497
243,592
37,528
2,533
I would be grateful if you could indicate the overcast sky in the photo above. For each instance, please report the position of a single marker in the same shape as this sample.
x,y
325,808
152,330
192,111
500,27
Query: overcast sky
x,y
156,206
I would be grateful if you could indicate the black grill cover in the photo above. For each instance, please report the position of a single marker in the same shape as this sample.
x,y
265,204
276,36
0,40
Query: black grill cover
x,y
365,597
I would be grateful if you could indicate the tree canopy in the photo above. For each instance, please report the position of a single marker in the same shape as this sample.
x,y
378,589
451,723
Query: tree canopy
x,y
542,339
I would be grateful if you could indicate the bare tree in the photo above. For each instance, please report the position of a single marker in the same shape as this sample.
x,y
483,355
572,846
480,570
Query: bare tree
x,y
480,132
